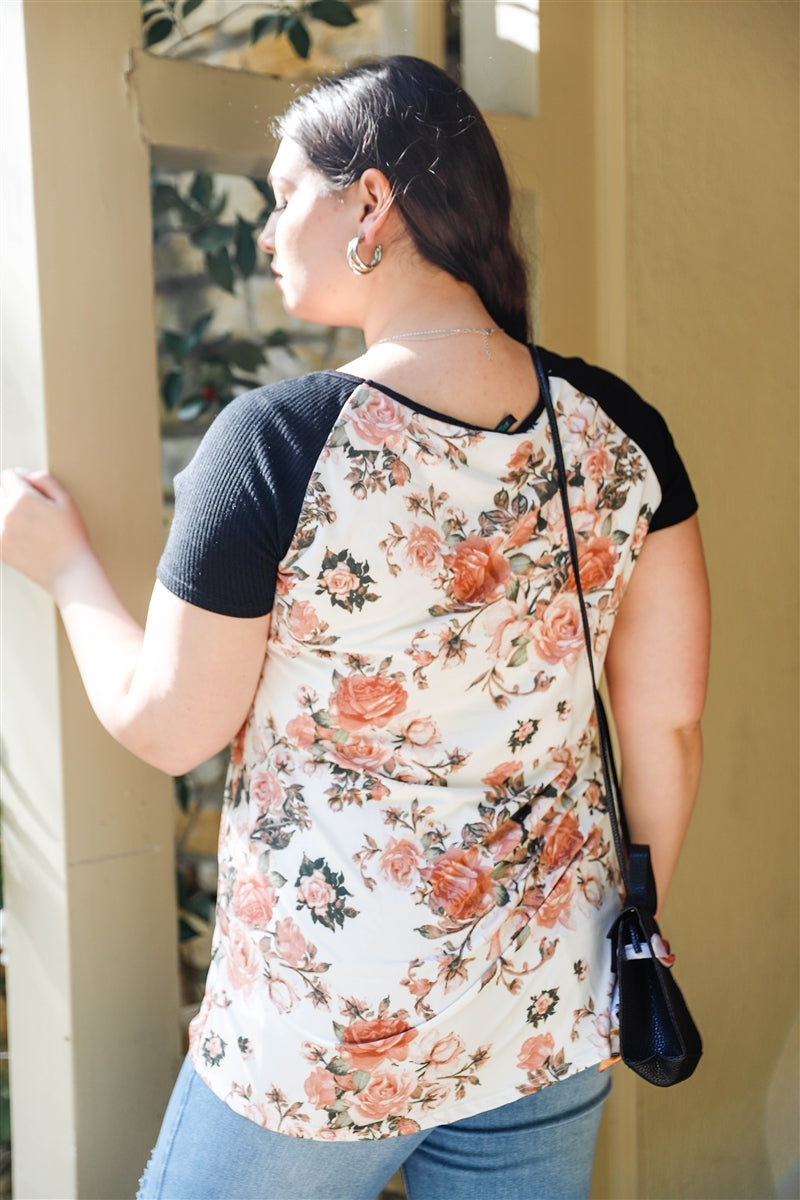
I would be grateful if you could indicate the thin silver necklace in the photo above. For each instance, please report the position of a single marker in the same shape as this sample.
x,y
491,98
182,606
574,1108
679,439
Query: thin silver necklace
x,y
441,333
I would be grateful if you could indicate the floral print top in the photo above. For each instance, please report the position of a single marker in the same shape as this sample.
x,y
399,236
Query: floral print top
x,y
416,875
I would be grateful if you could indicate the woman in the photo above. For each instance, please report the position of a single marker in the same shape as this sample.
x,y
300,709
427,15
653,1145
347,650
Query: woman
x,y
367,586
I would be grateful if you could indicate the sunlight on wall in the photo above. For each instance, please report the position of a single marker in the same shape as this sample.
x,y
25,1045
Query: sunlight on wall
x,y
518,21
500,55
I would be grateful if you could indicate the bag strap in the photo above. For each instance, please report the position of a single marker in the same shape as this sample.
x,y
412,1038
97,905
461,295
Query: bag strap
x,y
634,861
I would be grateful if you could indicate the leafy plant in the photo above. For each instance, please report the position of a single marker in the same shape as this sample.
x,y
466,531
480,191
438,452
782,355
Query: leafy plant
x,y
198,372
163,18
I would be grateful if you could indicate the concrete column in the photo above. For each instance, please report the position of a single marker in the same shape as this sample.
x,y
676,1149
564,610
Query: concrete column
x,y
87,830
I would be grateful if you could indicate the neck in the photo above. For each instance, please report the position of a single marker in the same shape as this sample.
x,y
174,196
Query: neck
x,y
419,298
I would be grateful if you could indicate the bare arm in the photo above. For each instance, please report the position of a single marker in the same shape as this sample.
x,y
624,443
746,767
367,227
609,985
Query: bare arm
x,y
657,669
173,693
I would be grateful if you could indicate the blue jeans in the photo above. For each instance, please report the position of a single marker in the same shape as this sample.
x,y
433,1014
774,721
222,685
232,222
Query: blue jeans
x,y
540,1147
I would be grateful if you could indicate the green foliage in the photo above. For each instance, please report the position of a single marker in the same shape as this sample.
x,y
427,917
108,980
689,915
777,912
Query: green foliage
x,y
192,903
196,372
163,18
201,372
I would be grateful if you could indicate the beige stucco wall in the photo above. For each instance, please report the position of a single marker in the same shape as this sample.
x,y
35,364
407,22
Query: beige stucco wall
x,y
712,339
87,829
698,306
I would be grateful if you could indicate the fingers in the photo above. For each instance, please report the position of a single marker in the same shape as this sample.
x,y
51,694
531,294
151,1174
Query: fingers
x,y
41,530
16,481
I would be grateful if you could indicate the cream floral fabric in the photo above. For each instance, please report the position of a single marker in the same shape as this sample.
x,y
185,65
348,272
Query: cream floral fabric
x,y
416,875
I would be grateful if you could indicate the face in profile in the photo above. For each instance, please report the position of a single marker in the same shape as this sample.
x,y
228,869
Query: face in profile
x,y
307,235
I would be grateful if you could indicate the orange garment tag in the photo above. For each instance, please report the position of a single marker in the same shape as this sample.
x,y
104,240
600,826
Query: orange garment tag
x,y
609,1062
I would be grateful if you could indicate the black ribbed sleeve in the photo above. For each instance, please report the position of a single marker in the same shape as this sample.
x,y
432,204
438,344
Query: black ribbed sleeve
x,y
642,423
238,501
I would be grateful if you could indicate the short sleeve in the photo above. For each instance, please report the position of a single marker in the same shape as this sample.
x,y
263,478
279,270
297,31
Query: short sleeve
x,y
222,549
643,424
678,501
238,501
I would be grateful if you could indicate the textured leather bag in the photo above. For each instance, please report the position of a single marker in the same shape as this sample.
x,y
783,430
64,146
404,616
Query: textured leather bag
x,y
658,1038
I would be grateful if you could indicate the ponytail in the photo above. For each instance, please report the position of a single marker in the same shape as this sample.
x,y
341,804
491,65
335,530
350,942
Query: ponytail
x,y
412,121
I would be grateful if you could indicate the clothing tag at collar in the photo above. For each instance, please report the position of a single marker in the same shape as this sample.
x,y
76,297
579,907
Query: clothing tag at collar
x,y
505,424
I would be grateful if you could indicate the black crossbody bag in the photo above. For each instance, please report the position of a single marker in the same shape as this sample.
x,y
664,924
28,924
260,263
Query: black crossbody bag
x,y
658,1038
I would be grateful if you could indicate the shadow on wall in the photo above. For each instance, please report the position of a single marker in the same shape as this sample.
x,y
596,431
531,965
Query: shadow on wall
x,y
782,1120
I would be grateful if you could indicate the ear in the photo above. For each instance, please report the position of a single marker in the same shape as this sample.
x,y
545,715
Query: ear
x,y
376,201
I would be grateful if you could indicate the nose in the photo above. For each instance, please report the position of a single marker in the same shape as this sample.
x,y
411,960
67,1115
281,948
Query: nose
x,y
266,239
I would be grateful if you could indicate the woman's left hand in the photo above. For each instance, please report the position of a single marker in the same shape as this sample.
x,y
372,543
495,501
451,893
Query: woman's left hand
x,y
41,531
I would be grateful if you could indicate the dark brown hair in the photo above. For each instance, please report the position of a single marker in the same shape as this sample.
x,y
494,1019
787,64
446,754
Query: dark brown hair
x,y
417,125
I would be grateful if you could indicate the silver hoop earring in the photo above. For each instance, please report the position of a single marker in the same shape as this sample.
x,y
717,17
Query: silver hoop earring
x,y
356,265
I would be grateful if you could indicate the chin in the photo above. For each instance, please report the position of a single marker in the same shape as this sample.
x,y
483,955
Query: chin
x,y
315,314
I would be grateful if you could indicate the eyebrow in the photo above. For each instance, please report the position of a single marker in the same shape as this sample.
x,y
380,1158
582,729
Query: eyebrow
x,y
273,179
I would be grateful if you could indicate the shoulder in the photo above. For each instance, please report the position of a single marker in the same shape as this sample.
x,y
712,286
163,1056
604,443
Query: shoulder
x,y
273,431
639,421
637,418
276,408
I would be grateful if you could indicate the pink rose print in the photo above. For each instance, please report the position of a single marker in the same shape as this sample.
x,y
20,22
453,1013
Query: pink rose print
x,y
257,1113
535,1051
542,1006
601,1031
421,732
562,844
303,619
590,891
597,464
523,531
400,863
302,730
461,884
584,514
419,987
362,753
563,755
387,1093
479,571
320,1088
281,992
406,1126
366,1044
340,581
557,908
362,700
504,841
322,891
254,898
500,776
289,941
285,581
557,636
266,791
316,892
639,534
424,549
243,963
596,561
379,421
213,1050
440,1051
577,423
521,458
593,795
508,623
